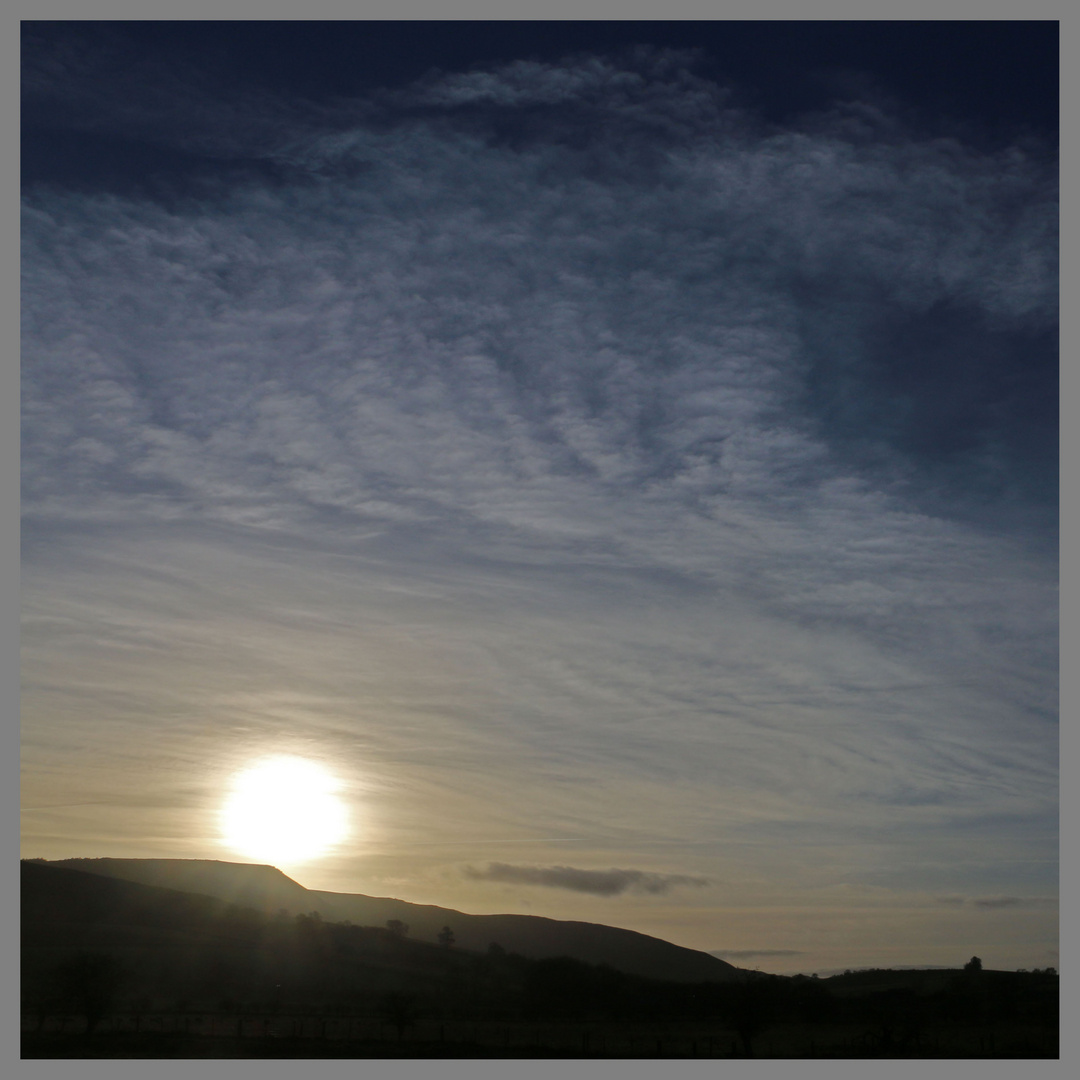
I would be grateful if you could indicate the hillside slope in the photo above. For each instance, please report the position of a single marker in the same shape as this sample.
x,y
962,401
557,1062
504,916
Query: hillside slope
x,y
269,890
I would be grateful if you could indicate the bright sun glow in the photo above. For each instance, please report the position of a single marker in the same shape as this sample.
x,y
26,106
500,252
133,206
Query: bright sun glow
x,y
283,810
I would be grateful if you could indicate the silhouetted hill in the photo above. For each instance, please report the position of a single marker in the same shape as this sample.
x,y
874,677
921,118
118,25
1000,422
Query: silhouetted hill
x,y
268,890
56,902
534,936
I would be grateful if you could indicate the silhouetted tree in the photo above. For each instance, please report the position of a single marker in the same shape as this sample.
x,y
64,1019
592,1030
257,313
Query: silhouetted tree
x,y
399,1009
397,928
751,1009
810,1000
446,937
974,964
89,981
40,994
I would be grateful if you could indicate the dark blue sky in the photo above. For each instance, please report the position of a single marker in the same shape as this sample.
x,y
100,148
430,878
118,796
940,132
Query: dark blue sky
x,y
992,79
989,83
963,407
613,449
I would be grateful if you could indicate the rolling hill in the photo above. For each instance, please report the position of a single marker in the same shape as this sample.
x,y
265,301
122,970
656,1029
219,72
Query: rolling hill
x,y
268,890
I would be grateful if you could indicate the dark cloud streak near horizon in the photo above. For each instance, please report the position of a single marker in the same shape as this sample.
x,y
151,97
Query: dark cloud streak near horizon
x,y
747,954
612,882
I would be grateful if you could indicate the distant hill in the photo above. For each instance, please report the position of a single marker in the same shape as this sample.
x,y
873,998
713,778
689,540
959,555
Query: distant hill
x,y
267,889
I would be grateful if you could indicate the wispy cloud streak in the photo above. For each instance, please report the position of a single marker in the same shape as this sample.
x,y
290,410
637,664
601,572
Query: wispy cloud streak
x,y
598,882
750,954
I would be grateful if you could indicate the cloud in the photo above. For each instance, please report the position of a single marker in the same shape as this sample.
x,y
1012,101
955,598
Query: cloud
x,y
596,882
568,482
997,901
749,954
563,344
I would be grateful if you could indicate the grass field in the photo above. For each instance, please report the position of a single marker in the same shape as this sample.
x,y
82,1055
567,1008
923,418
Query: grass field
x,y
306,1037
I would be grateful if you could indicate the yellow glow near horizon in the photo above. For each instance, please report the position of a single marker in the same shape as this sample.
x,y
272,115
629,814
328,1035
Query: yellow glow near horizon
x,y
284,810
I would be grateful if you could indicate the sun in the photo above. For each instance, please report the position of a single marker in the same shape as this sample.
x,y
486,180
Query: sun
x,y
283,810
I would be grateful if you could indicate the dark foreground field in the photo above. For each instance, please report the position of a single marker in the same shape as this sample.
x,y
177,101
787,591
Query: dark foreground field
x,y
302,1038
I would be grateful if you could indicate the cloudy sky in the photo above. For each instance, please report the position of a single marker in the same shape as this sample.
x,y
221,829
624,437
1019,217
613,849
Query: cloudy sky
x,y
624,454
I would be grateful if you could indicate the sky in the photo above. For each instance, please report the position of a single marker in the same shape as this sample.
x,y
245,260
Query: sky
x,y
624,454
